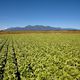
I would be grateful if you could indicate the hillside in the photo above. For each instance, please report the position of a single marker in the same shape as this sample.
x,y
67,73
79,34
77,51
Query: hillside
x,y
36,28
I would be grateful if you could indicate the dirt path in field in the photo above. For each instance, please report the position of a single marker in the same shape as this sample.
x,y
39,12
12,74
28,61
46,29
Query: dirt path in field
x,y
17,73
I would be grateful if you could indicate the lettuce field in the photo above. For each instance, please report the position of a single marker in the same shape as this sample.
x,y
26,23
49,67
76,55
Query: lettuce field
x,y
40,56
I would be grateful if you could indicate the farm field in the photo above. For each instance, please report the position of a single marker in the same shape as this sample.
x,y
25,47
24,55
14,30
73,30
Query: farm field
x,y
40,56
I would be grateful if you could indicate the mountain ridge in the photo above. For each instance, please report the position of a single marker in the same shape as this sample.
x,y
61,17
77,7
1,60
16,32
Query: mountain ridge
x,y
37,27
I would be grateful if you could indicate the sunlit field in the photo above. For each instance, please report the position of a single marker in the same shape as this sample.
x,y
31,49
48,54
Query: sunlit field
x,y
40,56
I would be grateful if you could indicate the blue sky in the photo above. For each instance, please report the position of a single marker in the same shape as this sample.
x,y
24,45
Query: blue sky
x,y
56,13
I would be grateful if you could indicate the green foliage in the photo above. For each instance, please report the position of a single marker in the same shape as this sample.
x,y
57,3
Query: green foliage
x,y
40,56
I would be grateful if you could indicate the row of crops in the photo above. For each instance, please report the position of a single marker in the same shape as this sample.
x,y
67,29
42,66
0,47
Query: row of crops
x,y
51,56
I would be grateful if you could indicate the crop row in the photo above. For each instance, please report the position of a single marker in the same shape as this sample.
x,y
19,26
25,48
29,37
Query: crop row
x,y
40,57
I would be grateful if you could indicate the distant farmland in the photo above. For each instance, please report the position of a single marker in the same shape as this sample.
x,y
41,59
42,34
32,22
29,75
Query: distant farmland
x,y
40,31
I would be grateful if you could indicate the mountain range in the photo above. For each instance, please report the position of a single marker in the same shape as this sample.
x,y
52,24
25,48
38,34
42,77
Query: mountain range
x,y
37,27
